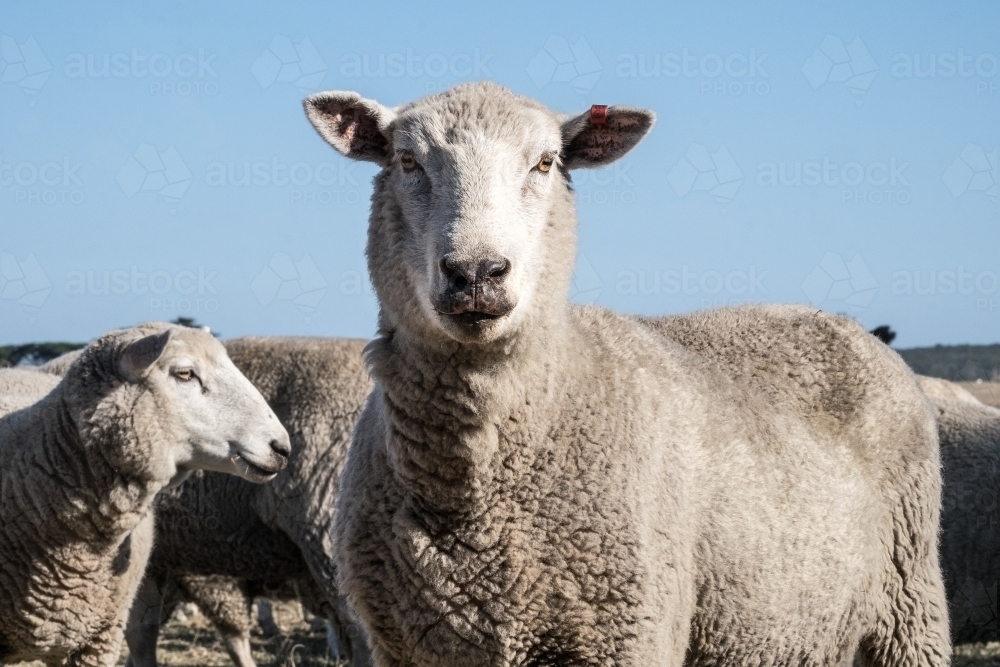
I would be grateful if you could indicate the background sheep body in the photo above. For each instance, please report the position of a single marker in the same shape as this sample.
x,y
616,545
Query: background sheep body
x,y
21,387
970,523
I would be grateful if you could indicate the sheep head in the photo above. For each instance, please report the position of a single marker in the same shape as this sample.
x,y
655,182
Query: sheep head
x,y
172,401
472,231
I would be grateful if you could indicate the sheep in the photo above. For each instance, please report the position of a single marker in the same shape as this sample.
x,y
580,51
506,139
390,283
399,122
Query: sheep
x,y
970,524
227,602
79,469
534,482
20,387
220,541
939,388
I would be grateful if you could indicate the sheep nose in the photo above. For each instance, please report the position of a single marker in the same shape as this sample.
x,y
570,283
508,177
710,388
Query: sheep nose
x,y
461,273
281,447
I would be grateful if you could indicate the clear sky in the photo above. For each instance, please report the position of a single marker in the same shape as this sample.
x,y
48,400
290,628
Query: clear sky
x,y
157,163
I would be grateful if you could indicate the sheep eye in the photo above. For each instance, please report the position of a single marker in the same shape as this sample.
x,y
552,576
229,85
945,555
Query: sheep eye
x,y
185,375
407,161
545,164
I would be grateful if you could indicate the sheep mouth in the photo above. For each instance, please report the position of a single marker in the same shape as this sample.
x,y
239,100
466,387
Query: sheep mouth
x,y
473,318
255,472
473,308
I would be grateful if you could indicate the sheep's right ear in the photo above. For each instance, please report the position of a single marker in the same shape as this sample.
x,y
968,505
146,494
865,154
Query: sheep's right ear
x,y
600,136
356,127
139,355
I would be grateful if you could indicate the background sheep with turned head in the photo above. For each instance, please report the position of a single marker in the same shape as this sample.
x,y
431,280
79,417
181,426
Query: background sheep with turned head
x,y
538,483
79,469
220,541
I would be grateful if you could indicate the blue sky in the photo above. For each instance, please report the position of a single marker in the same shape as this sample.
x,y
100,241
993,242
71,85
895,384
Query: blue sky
x,y
156,162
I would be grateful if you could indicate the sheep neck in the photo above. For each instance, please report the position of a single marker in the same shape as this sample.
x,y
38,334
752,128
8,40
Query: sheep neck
x,y
449,411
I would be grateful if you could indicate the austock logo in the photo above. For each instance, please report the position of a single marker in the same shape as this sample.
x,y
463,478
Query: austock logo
x,y
54,181
610,185
587,285
149,170
322,183
833,280
876,182
703,171
732,74
284,279
397,65
560,62
974,170
23,64
284,62
181,74
180,292
835,62
23,282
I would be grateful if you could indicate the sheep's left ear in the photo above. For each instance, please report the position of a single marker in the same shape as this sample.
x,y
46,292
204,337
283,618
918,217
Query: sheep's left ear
x,y
139,355
603,134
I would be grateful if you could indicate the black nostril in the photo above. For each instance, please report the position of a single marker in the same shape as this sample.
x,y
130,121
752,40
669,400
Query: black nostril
x,y
282,448
459,274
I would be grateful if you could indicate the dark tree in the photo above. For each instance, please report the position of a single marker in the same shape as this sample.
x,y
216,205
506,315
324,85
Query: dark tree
x,y
884,334
191,323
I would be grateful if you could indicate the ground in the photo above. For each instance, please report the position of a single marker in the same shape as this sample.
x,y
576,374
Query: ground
x,y
977,655
193,642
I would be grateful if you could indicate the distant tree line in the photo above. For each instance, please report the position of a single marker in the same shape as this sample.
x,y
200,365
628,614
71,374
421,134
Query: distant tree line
x,y
34,354
962,363
958,363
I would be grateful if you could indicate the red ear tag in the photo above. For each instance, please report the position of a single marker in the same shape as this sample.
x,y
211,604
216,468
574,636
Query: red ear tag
x,y
599,115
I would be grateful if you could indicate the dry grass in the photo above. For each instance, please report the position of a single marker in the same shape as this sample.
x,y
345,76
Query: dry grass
x,y
987,392
194,643
977,655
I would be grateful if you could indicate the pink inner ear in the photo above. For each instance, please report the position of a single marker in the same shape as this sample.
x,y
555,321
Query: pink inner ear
x,y
347,124
599,115
357,136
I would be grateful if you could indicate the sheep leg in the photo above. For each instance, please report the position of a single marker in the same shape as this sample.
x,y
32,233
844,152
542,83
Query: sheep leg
x,y
912,630
228,605
360,655
345,638
102,652
238,648
265,618
143,628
